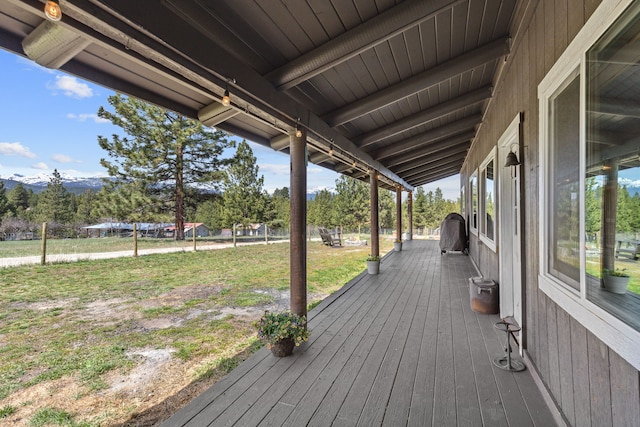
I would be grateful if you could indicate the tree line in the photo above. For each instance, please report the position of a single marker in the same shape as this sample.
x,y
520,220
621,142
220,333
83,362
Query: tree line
x,y
168,168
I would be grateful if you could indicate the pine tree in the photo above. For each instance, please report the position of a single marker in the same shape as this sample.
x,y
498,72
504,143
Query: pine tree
x,y
5,206
244,197
162,154
18,199
55,203
352,202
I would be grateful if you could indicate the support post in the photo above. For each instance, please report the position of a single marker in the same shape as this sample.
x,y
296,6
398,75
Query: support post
x,y
410,215
135,240
298,242
266,234
43,255
399,214
193,230
375,223
609,207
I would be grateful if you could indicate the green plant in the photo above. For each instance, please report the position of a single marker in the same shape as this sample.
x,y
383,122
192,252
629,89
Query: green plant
x,y
373,258
616,272
275,326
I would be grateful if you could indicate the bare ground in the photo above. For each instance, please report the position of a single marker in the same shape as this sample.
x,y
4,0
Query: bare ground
x,y
157,386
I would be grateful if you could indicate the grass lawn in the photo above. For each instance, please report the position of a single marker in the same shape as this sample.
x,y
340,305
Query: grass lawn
x,y
72,334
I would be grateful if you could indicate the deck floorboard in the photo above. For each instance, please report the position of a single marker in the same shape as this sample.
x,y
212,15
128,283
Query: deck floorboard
x,y
402,348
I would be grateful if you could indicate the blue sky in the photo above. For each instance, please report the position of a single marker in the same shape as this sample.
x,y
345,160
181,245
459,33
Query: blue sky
x,y
48,121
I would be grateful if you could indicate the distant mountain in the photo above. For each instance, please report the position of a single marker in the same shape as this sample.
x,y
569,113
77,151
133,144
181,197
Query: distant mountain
x,y
38,183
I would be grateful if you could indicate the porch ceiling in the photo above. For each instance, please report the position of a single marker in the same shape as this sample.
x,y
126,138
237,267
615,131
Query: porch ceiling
x,y
395,86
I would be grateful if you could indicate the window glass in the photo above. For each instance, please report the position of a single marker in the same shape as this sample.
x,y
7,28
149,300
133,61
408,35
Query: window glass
x,y
612,188
564,183
474,201
488,200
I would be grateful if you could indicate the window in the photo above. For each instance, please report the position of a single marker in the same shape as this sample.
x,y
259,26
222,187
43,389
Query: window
x,y
564,183
488,201
590,164
473,187
463,211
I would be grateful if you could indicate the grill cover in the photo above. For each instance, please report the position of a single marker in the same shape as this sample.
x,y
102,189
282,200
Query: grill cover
x,y
453,234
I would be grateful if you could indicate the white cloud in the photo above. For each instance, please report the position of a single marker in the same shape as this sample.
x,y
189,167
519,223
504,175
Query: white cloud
x,y
273,168
85,117
72,87
42,166
15,149
63,158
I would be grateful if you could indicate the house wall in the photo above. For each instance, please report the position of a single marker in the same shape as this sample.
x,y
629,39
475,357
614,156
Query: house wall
x,y
589,382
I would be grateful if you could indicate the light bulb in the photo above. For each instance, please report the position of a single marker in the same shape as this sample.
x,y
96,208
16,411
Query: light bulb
x,y
52,10
298,133
331,151
226,100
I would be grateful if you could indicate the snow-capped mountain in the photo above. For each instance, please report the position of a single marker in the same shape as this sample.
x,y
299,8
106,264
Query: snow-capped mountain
x,y
39,182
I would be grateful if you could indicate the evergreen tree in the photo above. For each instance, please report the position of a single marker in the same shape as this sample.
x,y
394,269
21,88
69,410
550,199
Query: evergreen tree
x,y
352,202
55,203
163,154
320,210
5,206
85,207
244,197
420,209
211,213
281,208
387,209
18,199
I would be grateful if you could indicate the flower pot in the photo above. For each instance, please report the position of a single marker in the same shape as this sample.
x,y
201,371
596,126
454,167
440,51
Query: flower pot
x,y
616,284
283,347
397,246
373,267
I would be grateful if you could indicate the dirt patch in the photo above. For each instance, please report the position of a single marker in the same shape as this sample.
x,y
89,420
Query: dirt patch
x,y
158,384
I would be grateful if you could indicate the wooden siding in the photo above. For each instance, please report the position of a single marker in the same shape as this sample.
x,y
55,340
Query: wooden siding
x,y
589,382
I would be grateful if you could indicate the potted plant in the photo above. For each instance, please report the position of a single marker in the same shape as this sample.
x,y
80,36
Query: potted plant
x,y
397,245
282,331
373,264
615,281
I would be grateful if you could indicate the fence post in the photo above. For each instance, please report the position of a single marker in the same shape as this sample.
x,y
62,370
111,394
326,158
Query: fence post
x,y
266,234
193,229
234,235
135,240
43,255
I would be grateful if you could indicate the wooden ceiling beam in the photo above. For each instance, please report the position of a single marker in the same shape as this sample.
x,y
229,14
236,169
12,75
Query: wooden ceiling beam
x,y
365,36
455,141
438,111
438,74
429,137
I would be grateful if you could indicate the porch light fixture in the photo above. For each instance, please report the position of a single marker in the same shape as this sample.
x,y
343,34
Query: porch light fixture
x,y
331,150
298,132
226,100
512,159
52,10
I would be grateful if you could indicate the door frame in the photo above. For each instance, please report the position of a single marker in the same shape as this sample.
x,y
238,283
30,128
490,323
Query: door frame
x,y
512,292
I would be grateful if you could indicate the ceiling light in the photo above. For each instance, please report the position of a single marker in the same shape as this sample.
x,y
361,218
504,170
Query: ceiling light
x,y
226,100
52,10
298,132
331,150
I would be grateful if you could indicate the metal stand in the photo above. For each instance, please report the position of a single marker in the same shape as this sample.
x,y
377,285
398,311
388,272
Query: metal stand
x,y
505,362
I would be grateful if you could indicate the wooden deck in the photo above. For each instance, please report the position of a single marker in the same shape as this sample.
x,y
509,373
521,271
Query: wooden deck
x,y
400,348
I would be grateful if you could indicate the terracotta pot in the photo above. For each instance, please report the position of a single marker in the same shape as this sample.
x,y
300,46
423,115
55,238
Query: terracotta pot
x,y
283,348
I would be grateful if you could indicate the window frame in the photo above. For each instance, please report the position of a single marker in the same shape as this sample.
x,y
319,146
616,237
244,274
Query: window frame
x,y
474,208
482,201
618,335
